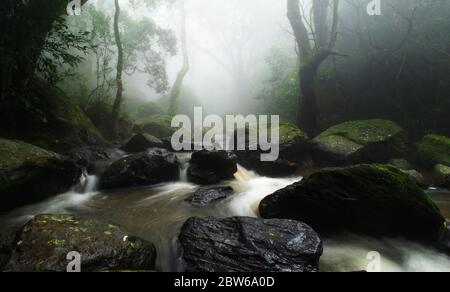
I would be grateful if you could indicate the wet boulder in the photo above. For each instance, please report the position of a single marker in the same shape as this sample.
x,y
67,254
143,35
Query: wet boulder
x,y
206,196
243,244
293,152
29,174
141,142
147,168
377,200
365,141
442,176
211,167
432,150
43,244
157,125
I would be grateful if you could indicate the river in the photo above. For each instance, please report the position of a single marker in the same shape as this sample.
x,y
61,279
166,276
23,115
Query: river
x,y
157,213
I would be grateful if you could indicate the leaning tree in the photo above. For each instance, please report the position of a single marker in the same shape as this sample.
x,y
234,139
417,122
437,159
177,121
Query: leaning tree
x,y
316,35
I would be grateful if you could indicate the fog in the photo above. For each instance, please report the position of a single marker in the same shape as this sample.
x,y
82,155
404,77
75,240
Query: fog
x,y
228,41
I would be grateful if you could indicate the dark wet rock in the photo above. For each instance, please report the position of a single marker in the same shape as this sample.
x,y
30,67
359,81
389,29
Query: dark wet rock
x,y
141,142
242,244
205,196
6,244
374,199
29,174
87,156
401,164
443,243
43,243
211,167
157,125
418,178
365,141
432,150
442,176
279,168
147,168
293,152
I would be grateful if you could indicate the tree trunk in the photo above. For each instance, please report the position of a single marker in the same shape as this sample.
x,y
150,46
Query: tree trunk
x,y
176,88
307,105
119,95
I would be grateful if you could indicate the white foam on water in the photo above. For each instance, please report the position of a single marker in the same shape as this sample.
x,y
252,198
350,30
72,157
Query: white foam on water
x,y
251,189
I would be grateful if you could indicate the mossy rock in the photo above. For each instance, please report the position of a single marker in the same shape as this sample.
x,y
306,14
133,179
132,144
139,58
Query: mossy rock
x,y
293,152
43,243
360,142
29,173
442,176
142,142
52,121
157,125
432,150
379,200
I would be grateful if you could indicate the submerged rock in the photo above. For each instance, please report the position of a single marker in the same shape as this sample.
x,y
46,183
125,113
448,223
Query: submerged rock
x,y
211,167
43,243
205,196
442,176
432,150
147,168
242,244
377,200
141,142
29,174
359,142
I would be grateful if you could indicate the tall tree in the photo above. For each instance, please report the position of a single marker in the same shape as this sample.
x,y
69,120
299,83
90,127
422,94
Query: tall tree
x,y
119,94
312,52
176,88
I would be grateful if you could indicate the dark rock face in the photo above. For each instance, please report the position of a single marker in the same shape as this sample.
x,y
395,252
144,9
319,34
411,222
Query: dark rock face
x,y
211,167
142,142
29,174
43,243
205,196
293,152
242,244
377,200
87,156
278,168
443,243
151,167
365,141
442,176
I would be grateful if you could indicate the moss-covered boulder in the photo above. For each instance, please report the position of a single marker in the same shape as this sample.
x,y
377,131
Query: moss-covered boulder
x,y
364,141
442,176
293,153
44,243
157,125
29,174
432,150
142,142
50,120
378,200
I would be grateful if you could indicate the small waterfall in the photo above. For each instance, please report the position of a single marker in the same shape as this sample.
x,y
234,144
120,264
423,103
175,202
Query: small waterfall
x,y
184,159
87,184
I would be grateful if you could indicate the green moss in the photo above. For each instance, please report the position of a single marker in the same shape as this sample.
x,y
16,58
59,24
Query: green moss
x,y
434,149
364,131
157,125
289,132
14,154
380,180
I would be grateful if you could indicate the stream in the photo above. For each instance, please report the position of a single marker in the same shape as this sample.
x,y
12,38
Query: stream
x,y
156,213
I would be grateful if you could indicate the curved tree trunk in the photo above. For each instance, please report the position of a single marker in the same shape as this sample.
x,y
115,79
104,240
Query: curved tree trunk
x,y
119,95
176,88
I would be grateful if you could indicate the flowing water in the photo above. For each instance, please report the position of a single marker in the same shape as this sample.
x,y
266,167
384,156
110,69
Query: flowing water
x,y
157,213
